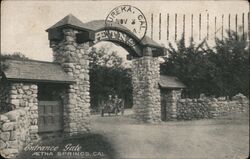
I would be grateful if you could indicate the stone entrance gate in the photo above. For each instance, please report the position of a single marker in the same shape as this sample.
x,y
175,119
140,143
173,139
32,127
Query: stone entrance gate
x,y
70,40
40,97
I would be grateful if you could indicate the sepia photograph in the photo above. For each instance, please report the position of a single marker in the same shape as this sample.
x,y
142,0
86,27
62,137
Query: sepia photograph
x,y
131,79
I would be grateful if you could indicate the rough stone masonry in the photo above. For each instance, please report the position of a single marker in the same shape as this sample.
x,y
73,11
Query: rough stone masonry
x,y
18,126
146,92
73,57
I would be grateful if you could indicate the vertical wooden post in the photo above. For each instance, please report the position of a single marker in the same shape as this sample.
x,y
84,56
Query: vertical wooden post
x,y
248,25
243,26
207,26
152,25
215,27
175,28
229,25
168,26
160,26
236,26
192,26
222,26
184,26
200,26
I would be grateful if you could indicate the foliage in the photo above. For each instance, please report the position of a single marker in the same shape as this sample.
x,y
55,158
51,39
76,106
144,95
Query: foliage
x,y
187,63
103,57
14,56
108,76
222,70
231,58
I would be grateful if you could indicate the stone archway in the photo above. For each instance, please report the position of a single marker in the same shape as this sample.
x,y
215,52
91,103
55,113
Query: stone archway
x,y
70,40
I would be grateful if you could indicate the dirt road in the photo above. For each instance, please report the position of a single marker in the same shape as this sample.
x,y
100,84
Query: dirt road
x,y
224,138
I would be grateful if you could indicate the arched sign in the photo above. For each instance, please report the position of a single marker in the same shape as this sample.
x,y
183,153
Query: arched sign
x,y
114,35
122,38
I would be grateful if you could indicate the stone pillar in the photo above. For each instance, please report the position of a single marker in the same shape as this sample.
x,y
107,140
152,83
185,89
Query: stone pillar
x,y
73,57
146,91
173,97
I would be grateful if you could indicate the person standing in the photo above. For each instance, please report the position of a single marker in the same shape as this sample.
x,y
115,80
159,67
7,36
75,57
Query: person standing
x,y
116,104
109,104
121,104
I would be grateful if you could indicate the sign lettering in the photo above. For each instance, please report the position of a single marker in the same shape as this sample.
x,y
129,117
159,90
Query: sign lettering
x,y
114,35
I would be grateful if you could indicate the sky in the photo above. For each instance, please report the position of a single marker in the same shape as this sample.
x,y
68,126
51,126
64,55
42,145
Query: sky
x,y
23,23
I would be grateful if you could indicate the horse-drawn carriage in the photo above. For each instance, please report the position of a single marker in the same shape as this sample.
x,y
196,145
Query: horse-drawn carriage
x,y
112,106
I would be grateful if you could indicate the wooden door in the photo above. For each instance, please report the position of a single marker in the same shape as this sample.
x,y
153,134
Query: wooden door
x,y
50,116
163,107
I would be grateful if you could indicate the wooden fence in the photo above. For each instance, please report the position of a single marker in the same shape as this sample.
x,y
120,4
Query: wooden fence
x,y
172,26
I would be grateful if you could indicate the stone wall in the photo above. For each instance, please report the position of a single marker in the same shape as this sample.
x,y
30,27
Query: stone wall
x,y
73,57
19,125
221,106
14,132
193,109
146,92
206,107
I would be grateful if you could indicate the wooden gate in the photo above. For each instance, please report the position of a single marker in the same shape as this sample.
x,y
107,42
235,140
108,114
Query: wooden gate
x,y
50,116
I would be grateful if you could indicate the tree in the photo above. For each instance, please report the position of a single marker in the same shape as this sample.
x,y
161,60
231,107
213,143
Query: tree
x,y
103,57
222,70
231,59
108,76
14,56
188,63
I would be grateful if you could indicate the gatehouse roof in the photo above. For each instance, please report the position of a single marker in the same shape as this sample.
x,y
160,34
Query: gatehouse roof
x,y
35,71
70,20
